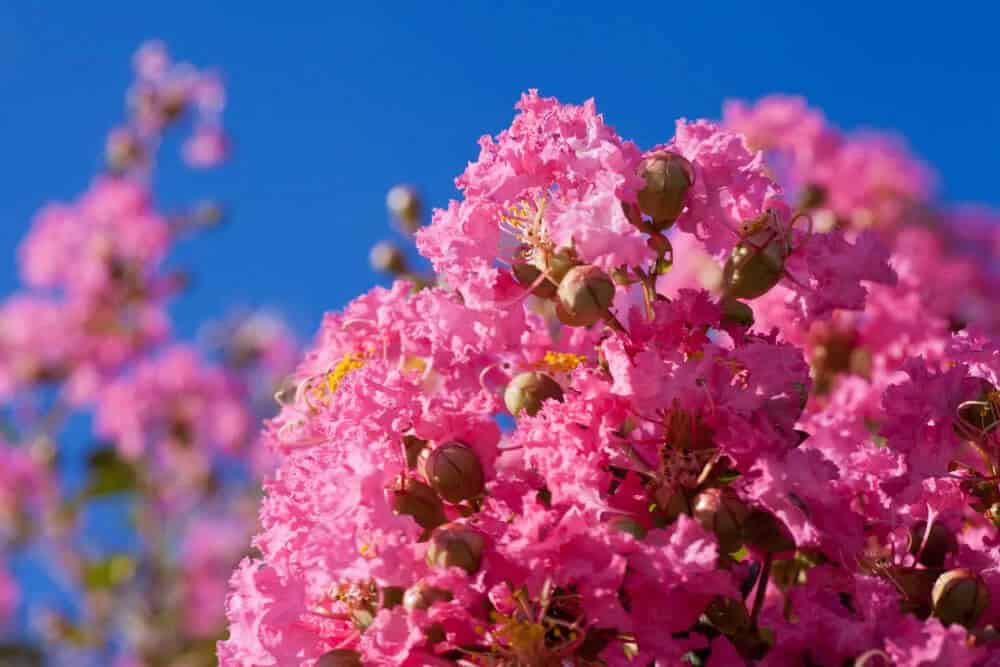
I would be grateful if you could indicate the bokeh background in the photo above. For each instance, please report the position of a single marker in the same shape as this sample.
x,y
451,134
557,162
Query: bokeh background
x,y
331,103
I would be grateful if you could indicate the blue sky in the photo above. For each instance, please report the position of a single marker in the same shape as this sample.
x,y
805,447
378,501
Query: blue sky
x,y
331,103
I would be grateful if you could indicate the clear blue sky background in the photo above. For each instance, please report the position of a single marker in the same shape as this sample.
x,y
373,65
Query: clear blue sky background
x,y
333,102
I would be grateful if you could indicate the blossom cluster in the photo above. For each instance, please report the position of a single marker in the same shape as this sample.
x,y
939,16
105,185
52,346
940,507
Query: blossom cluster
x,y
171,453
729,400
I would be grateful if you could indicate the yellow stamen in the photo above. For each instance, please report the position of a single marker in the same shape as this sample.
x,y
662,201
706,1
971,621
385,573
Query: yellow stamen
x,y
561,362
349,362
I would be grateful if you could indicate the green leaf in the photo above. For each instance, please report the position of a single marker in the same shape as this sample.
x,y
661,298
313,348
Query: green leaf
x,y
109,473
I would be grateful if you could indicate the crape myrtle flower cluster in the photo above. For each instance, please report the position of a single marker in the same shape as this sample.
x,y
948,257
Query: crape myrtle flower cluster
x,y
140,538
730,400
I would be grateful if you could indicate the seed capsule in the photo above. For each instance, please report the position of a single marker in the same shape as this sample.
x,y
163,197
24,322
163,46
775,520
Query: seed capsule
x,y
341,657
756,264
404,204
585,294
737,311
456,546
668,178
940,542
723,513
386,256
766,532
528,391
422,596
454,471
959,596
418,500
627,524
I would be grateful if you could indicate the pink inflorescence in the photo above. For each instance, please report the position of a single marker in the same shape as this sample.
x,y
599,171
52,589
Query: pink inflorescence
x,y
656,412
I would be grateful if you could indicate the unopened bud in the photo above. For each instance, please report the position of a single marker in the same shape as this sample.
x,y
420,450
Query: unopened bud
x,y
527,274
122,151
585,294
728,615
404,204
940,542
207,213
422,596
418,500
723,513
812,195
385,256
765,532
737,311
756,263
392,596
528,391
456,546
959,596
453,469
627,524
668,178
340,657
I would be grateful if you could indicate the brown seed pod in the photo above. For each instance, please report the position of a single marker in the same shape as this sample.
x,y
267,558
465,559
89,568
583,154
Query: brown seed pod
x,y
454,471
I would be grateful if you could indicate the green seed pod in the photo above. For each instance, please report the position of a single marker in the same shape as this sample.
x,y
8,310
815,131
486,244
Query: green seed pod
x,y
755,265
728,615
723,513
940,542
627,524
340,657
528,391
418,500
386,256
422,596
454,471
668,178
456,545
959,596
585,294
527,274
737,311
766,532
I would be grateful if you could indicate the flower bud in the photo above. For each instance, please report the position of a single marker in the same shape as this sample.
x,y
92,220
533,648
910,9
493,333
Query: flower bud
x,y
723,513
422,596
404,204
385,256
756,263
418,500
585,294
340,657
454,471
391,596
765,532
812,195
959,596
668,178
728,615
526,274
940,542
527,391
627,524
456,545
737,312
